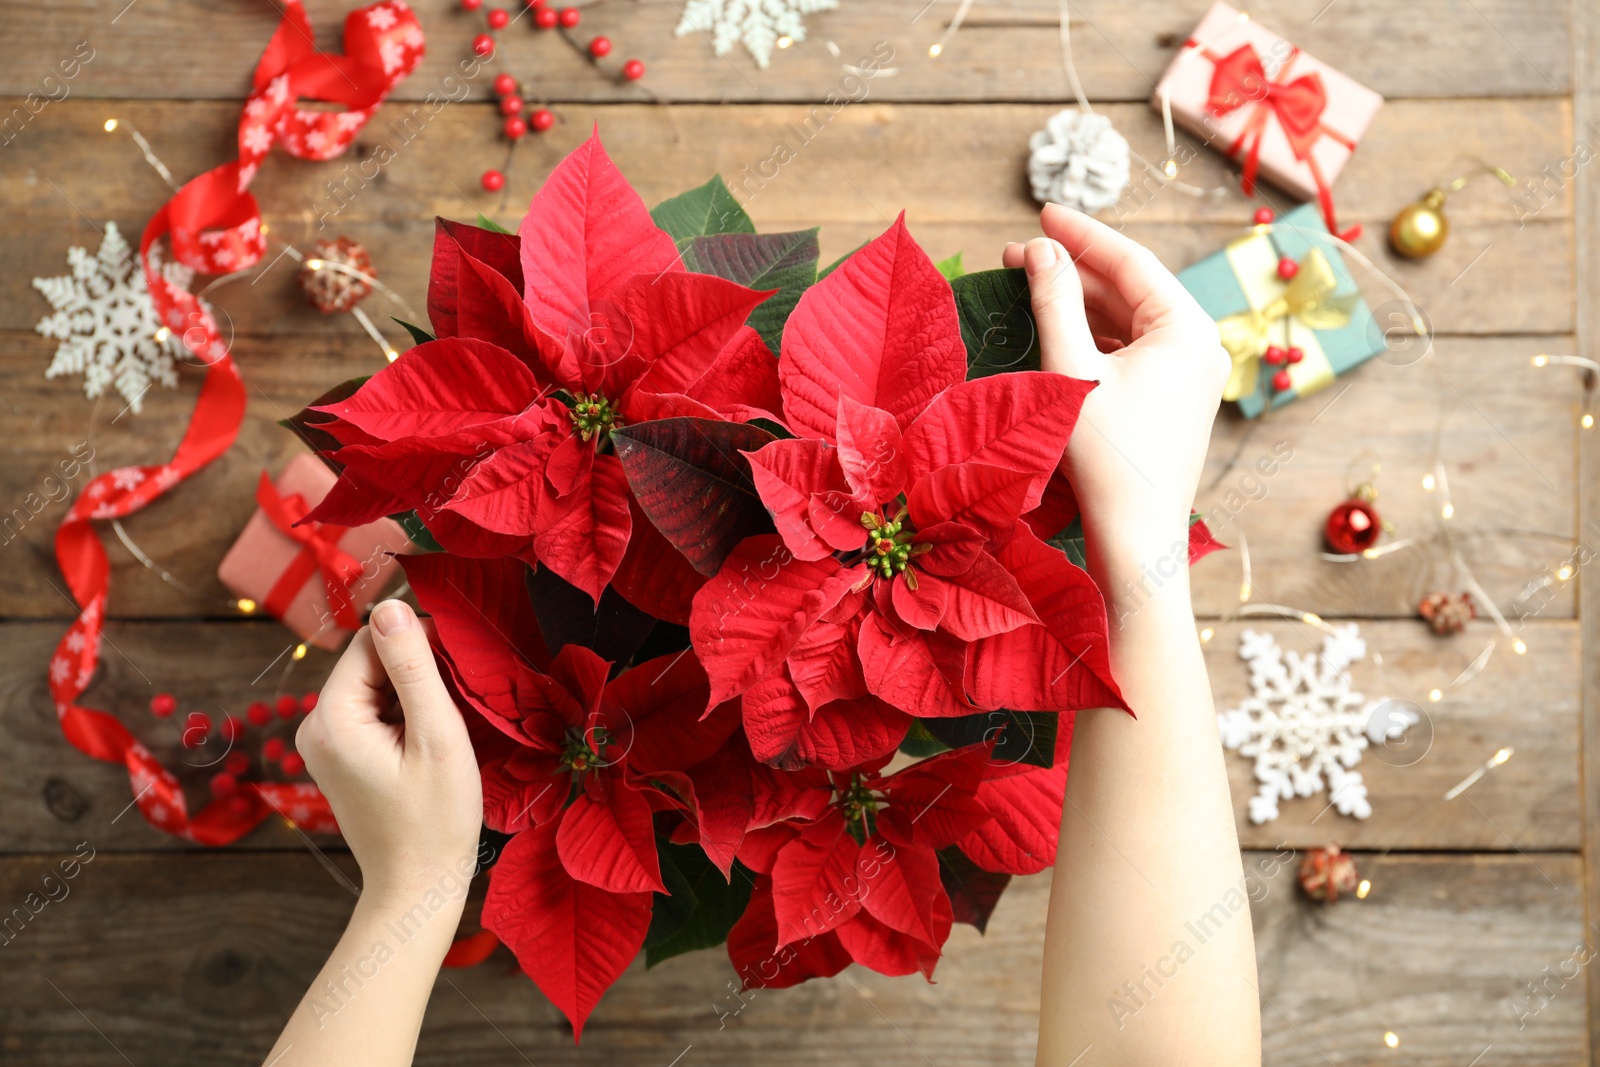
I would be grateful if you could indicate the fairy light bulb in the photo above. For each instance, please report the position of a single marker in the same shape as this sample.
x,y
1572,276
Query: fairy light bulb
x,y
934,50
1170,168
1363,889
1428,483
1519,647
162,335
299,652
1391,1039
111,126
1540,360
1564,573
1447,512
315,264
1435,695
391,354
245,605
1207,634
1587,422
1311,618
1501,756
785,41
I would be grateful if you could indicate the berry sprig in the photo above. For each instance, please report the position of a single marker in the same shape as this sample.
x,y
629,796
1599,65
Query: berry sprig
x,y
518,120
239,762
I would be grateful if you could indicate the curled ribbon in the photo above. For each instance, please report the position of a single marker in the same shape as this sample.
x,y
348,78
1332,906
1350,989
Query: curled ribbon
x,y
1238,79
319,553
214,225
1308,297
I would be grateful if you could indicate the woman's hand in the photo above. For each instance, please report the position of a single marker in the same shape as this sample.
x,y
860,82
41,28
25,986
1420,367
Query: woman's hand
x,y
390,751
1136,455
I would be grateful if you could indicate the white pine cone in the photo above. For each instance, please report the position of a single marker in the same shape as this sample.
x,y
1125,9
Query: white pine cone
x,y
1078,160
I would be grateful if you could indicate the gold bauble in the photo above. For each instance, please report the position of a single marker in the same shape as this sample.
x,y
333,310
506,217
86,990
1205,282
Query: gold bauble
x,y
1421,228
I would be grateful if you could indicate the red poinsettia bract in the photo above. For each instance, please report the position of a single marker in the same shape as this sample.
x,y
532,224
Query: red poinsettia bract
x,y
498,433
573,770
901,581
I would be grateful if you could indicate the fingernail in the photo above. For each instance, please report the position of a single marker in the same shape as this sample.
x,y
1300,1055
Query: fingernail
x,y
392,617
1039,255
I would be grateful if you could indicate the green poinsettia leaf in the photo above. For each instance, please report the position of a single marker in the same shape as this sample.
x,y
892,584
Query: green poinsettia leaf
x,y
996,312
705,209
417,532
836,264
951,268
703,907
486,223
1019,736
786,262
307,423
1070,541
692,483
920,743
973,891
613,629
418,334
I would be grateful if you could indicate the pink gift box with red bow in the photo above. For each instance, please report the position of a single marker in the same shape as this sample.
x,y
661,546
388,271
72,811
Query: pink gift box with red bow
x,y
316,578
1279,112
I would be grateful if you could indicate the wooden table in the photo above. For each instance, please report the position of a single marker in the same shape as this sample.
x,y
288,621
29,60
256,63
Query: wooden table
x,y
168,954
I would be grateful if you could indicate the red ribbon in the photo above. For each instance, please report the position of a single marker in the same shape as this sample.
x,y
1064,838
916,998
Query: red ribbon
x,y
319,552
214,225
1239,79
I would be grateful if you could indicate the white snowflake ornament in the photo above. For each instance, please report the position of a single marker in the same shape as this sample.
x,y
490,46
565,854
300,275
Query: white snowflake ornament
x,y
1304,725
757,23
107,324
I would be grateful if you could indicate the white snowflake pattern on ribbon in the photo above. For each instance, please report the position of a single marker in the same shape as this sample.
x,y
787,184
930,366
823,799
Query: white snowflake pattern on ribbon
x,y
1303,724
380,18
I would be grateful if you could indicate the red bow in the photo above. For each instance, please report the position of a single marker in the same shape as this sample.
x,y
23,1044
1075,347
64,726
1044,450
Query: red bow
x,y
319,552
1239,79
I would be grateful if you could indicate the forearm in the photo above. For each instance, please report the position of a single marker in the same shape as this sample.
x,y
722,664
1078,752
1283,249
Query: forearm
x,y
366,1004
1149,956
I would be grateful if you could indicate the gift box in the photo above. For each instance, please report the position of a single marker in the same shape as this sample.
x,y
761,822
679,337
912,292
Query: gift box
x,y
1279,112
1317,314
317,579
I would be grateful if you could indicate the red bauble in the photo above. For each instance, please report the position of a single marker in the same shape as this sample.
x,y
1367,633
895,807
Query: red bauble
x,y
515,127
293,765
633,70
600,46
570,17
498,18
505,84
1353,527
493,181
1327,872
511,105
259,713
308,703
163,704
483,44
1263,216
545,18
541,120
1281,381
287,706
1287,268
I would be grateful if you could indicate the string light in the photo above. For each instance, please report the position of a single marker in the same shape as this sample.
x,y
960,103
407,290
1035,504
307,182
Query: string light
x,y
1391,1039
1207,634
1564,573
935,50
162,335
111,126
314,264
785,41
1435,695
299,652
1170,168
245,605
1587,422
1427,483
1470,780
1363,889
391,354
1519,647
1447,512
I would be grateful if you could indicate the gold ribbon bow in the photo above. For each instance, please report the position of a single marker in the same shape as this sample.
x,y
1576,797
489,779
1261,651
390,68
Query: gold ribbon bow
x,y
1308,298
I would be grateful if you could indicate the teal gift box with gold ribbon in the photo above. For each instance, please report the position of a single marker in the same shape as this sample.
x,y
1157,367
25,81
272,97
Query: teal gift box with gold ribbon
x,y
1290,314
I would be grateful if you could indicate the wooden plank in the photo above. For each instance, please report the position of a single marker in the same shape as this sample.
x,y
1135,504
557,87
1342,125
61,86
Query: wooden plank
x,y
1508,445
1586,107
53,795
1008,49
191,959
1528,703
850,178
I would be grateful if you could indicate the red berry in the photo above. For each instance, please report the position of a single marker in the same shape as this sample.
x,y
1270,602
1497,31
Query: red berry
x,y
1274,356
600,46
483,44
541,120
287,706
259,713
1280,381
240,804
545,18
515,127
195,729
1263,216
238,763
224,785
1287,268
505,84
293,765
163,704
493,181
308,703
471,5
1296,355
570,17
498,18
273,749
511,105
633,70
232,728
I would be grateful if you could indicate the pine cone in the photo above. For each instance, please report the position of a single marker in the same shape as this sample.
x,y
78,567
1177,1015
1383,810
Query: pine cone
x,y
1327,872
1447,614
332,276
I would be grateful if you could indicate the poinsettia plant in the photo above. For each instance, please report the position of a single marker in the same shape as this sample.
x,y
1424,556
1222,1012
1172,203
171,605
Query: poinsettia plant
x,y
759,583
